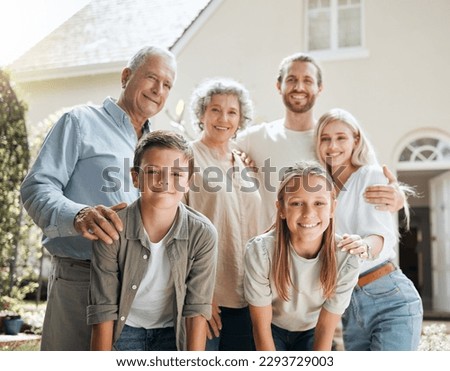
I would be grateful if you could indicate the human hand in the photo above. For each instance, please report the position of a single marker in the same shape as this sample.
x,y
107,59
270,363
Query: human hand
x,y
354,245
248,162
99,222
388,197
215,323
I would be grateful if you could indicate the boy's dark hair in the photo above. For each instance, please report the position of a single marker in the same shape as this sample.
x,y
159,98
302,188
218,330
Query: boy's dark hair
x,y
164,139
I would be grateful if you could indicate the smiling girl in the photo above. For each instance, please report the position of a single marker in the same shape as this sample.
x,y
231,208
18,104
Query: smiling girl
x,y
385,312
296,280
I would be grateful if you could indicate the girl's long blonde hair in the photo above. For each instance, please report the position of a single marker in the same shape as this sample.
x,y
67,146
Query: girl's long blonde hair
x,y
281,264
364,153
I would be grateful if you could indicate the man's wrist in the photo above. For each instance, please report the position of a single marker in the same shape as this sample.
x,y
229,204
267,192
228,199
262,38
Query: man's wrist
x,y
80,214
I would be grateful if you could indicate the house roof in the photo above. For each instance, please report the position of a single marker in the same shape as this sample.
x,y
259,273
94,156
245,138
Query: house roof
x,y
104,34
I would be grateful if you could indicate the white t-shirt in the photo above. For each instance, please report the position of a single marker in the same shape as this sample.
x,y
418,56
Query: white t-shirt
x,y
355,216
273,147
302,311
154,301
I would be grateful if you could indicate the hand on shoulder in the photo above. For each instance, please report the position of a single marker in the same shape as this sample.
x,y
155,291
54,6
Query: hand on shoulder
x,y
99,222
386,197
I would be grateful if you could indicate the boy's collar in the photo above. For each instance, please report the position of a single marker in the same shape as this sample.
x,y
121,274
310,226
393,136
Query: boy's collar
x,y
134,229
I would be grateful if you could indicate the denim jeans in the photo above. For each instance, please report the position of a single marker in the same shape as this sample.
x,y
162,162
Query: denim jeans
x,y
236,333
137,339
385,314
292,340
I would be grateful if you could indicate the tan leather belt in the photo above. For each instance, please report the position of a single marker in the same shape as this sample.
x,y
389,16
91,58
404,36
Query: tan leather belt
x,y
375,274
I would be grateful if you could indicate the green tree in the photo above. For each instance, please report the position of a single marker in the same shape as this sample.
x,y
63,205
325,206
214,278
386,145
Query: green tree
x,y
14,161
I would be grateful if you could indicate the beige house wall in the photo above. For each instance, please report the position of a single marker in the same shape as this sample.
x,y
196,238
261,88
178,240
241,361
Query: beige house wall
x,y
399,86
402,86
244,40
46,97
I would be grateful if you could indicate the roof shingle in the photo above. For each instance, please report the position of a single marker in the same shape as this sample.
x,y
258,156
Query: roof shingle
x,y
109,31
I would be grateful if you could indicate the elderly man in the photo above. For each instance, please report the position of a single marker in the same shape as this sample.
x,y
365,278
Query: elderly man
x,y
80,178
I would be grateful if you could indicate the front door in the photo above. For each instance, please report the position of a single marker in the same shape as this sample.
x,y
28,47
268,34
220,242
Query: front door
x,y
440,240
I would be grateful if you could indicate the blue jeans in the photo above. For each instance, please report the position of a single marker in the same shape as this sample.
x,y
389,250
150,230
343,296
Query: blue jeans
x,y
292,340
236,333
137,339
385,314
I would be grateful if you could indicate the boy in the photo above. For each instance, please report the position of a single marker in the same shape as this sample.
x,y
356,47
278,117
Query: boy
x,y
152,289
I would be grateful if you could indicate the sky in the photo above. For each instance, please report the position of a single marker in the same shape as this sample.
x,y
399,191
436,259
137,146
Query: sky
x,y
25,22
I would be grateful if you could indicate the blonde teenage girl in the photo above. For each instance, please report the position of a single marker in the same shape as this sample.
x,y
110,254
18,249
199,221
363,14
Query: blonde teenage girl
x,y
385,312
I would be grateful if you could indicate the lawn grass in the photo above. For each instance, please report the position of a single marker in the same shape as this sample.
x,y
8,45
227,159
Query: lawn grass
x,y
21,346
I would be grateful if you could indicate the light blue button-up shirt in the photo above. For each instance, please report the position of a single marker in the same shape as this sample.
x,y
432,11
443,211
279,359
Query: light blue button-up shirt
x,y
85,160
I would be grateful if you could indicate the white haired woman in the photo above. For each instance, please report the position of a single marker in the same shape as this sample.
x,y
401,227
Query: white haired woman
x,y
226,191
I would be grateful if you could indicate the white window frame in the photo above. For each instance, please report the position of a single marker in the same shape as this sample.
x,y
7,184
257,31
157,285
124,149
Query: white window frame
x,y
336,53
436,162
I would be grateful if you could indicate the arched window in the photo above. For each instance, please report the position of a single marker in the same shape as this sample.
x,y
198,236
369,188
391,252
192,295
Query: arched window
x,y
426,152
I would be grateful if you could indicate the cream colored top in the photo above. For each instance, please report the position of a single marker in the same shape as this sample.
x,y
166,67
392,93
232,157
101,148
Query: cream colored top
x,y
230,198
302,311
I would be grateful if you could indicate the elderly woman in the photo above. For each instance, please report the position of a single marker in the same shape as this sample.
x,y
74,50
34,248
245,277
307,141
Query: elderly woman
x,y
226,191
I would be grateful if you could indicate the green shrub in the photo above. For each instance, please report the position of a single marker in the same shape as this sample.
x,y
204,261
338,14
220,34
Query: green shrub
x,y
14,161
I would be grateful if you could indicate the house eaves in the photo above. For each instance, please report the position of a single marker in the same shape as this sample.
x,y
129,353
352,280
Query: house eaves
x,y
102,36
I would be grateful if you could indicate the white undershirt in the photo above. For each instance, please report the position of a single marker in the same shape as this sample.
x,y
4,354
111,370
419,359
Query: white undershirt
x,y
153,305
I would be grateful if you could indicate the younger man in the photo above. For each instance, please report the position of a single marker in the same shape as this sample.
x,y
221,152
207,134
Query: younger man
x,y
274,146
152,289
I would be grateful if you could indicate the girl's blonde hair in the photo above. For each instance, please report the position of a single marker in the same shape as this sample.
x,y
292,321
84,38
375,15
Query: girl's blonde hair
x,y
281,264
363,154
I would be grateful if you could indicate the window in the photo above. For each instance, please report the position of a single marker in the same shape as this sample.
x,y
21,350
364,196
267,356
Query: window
x,y
424,153
334,25
426,150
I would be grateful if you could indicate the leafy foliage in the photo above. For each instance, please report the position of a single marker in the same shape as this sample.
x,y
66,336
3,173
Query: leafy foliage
x,y
14,161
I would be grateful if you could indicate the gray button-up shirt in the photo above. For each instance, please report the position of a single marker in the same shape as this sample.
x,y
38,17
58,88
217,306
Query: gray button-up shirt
x,y
117,269
85,161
